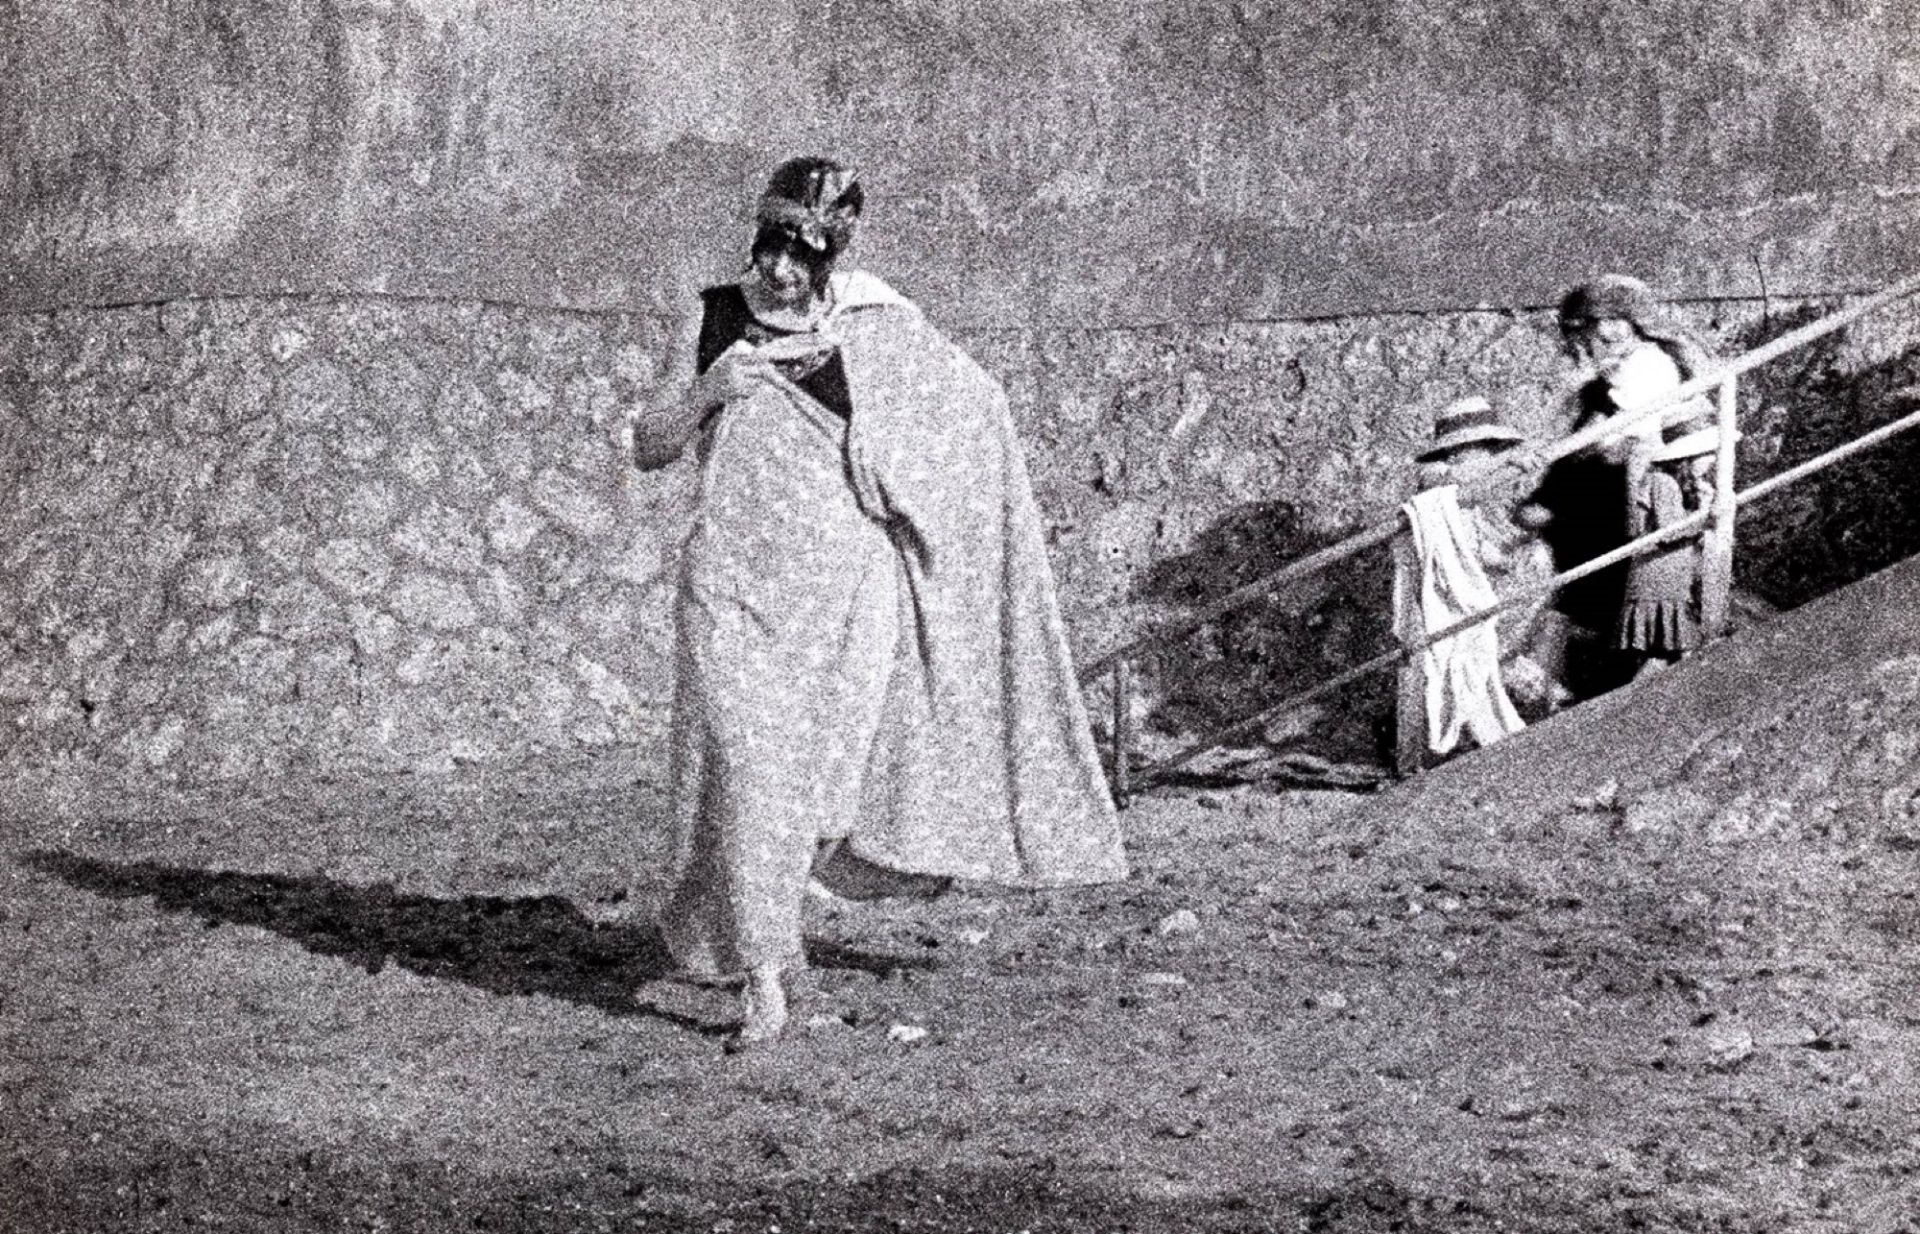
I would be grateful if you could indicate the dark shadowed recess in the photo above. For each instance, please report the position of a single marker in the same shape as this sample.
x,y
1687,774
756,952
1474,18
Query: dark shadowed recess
x,y
1851,520
1291,641
535,945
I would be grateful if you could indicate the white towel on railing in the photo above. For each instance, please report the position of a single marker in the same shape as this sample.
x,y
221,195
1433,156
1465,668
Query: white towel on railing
x,y
1464,693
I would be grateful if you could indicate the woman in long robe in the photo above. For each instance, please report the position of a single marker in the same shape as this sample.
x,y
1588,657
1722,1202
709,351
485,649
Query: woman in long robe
x,y
869,649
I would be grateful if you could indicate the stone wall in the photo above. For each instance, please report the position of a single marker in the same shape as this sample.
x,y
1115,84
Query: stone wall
x,y
253,537
314,313
310,536
1031,161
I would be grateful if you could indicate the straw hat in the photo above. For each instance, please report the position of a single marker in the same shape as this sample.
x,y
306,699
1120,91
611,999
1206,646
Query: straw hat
x,y
1468,422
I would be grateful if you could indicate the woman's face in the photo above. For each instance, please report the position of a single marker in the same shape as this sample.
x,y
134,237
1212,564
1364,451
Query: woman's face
x,y
787,280
1615,335
1604,339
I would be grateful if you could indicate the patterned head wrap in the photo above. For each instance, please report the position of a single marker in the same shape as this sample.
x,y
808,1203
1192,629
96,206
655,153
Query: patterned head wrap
x,y
814,200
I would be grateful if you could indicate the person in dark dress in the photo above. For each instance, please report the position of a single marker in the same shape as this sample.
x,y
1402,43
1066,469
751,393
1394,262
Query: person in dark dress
x,y
726,319
1579,511
1643,611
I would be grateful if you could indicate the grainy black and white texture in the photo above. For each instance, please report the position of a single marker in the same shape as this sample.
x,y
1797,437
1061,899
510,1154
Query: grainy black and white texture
x,y
330,618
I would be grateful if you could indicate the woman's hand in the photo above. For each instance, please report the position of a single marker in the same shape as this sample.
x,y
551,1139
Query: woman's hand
x,y
734,374
657,435
1532,515
661,432
1633,450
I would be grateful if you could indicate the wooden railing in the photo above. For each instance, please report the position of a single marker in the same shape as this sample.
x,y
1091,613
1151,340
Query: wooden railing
x,y
1714,524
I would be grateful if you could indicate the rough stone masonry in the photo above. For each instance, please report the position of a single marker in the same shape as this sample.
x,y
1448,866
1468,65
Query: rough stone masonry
x,y
270,536
315,319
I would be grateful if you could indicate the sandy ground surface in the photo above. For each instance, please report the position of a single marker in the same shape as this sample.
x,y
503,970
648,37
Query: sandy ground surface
x,y
1654,965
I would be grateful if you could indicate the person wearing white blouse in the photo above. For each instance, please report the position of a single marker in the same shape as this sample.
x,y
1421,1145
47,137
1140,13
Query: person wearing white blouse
x,y
1639,355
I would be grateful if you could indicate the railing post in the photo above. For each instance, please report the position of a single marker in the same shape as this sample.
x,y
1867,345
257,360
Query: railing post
x,y
1410,699
1716,547
1122,731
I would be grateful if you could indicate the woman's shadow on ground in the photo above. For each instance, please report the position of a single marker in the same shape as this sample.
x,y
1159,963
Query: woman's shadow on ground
x,y
536,945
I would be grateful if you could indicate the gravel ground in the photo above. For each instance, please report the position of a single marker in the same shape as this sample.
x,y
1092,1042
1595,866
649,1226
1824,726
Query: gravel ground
x,y
1649,966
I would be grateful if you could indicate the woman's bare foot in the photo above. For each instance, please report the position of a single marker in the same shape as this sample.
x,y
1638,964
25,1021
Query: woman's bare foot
x,y
765,1006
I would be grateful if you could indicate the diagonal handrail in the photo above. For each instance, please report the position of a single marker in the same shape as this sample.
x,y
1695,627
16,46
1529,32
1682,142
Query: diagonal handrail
x,y
1684,529
1245,594
1498,474
1525,458
1252,724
